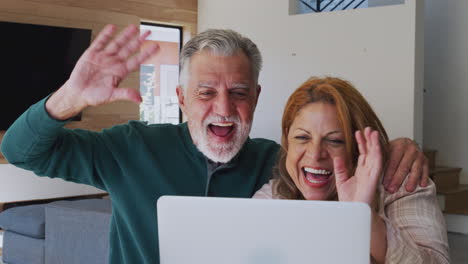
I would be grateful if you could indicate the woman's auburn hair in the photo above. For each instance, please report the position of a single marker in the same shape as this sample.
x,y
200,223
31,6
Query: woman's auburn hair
x,y
354,113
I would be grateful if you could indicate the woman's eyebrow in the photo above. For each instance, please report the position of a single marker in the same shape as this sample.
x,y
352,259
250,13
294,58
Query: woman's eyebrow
x,y
302,129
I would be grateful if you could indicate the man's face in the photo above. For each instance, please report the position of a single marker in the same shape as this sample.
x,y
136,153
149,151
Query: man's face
x,y
219,102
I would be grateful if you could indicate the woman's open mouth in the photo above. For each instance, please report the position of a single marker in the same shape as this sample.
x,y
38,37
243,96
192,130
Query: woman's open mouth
x,y
316,177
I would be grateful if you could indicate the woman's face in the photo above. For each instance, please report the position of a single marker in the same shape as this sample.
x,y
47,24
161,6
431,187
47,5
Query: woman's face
x,y
314,139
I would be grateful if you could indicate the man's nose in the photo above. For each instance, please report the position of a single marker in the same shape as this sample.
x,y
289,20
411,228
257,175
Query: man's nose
x,y
223,105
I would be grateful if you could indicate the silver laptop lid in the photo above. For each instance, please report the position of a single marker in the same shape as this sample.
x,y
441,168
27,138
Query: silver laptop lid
x,y
209,230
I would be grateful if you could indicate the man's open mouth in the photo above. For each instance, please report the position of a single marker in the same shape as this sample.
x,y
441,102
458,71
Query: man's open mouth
x,y
223,129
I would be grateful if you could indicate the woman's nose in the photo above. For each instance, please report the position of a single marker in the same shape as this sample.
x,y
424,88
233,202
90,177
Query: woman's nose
x,y
316,151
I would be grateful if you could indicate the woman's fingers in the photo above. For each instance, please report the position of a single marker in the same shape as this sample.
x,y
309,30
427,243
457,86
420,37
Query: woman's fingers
x,y
369,149
375,155
368,132
362,147
362,186
341,173
373,142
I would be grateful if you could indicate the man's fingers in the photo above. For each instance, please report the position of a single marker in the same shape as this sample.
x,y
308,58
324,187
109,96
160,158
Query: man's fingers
x,y
403,169
135,61
415,175
425,172
121,40
102,38
132,46
125,94
396,155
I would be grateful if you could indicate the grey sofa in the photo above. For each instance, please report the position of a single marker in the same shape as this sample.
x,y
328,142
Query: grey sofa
x,y
57,233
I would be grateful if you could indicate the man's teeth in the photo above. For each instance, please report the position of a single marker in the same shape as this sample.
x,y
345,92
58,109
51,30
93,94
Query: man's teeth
x,y
222,124
315,171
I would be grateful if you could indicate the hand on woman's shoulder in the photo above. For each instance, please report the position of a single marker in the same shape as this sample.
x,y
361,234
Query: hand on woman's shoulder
x,y
266,192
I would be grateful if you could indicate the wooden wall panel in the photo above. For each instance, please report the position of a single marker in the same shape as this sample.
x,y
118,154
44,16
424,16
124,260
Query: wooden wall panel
x,y
94,15
2,159
39,13
167,10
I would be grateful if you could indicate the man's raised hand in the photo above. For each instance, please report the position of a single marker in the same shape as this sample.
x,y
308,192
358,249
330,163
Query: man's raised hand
x,y
99,71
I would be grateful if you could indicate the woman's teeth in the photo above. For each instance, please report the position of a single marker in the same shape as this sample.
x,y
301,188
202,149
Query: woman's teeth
x,y
312,180
316,171
317,176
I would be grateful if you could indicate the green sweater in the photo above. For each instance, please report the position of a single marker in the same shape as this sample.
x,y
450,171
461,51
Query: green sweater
x,y
135,163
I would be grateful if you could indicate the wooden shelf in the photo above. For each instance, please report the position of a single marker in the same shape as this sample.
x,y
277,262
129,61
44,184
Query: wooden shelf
x,y
2,158
4,206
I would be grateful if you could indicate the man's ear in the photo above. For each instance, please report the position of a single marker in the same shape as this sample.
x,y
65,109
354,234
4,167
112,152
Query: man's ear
x,y
259,89
180,97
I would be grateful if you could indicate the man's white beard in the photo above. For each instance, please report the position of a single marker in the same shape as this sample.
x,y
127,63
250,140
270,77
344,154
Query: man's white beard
x,y
219,152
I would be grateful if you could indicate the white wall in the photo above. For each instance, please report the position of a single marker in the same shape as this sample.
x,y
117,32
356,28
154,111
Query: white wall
x,y
21,185
374,48
446,82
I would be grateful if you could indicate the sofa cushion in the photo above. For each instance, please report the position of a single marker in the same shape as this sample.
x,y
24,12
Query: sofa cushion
x,y
18,249
96,205
80,229
27,220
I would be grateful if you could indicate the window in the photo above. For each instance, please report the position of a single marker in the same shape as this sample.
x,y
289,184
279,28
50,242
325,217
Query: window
x,y
318,6
159,75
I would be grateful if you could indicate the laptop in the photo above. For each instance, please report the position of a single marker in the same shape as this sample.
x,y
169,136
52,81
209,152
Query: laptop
x,y
208,230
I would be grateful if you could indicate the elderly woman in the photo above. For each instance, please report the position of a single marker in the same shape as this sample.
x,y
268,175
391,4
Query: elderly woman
x,y
331,133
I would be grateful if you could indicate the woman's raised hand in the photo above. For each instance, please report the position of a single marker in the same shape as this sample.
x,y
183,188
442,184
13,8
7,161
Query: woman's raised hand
x,y
362,186
99,71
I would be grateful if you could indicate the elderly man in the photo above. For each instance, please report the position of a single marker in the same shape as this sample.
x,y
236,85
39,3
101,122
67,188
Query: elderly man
x,y
135,163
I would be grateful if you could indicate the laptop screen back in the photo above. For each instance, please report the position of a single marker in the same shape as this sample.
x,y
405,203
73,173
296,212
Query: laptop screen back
x,y
211,230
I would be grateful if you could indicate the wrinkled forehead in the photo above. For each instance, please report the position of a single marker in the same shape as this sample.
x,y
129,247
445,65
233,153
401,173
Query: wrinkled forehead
x,y
213,54
220,51
234,66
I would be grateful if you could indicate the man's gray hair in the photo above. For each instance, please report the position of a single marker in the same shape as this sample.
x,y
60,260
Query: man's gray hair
x,y
221,42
